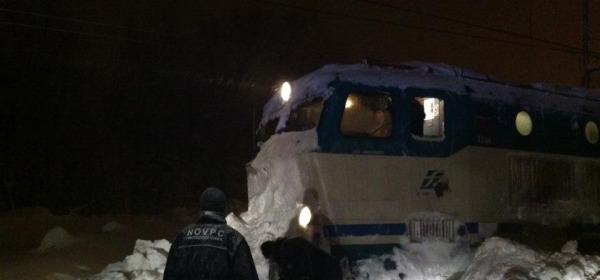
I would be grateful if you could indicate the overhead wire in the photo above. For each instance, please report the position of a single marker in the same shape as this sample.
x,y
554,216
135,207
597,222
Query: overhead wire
x,y
96,35
557,46
81,21
85,33
561,48
498,30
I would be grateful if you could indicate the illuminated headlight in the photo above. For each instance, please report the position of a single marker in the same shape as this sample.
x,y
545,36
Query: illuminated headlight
x,y
304,217
286,91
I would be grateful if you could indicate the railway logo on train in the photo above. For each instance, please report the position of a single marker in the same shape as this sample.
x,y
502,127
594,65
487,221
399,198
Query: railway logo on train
x,y
436,181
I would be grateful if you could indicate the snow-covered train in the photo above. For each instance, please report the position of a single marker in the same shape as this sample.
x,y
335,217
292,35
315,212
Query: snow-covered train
x,y
382,154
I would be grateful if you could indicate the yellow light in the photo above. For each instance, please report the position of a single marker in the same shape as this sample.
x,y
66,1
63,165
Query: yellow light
x,y
431,108
523,123
286,91
305,217
349,103
591,132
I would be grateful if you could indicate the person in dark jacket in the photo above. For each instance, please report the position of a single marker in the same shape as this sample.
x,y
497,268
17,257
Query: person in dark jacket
x,y
210,249
297,259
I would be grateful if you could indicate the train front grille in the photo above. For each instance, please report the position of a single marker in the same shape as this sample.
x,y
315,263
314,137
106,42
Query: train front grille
x,y
431,229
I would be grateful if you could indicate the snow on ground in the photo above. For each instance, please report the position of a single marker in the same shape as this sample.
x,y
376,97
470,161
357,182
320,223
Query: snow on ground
x,y
430,260
147,262
38,245
81,248
81,257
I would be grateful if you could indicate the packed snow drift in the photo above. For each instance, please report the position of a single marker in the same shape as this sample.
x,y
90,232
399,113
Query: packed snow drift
x,y
496,258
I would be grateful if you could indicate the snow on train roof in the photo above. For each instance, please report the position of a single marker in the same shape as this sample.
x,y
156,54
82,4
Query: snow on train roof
x,y
431,76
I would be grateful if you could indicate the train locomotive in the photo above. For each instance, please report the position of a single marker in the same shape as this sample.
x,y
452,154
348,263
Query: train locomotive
x,y
417,151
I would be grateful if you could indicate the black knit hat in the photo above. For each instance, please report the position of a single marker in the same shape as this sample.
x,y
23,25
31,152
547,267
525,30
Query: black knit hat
x,y
213,199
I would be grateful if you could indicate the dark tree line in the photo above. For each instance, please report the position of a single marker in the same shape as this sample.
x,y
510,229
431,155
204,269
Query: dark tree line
x,y
137,109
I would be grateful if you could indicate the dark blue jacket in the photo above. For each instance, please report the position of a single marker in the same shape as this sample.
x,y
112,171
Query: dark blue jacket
x,y
209,250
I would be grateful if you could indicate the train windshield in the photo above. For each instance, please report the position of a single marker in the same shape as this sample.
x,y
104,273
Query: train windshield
x,y
303,117
367,115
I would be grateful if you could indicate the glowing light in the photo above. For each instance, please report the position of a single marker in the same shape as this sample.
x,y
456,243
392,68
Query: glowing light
x,y
286,91
591,132
523,123
431,108
305,217
349,103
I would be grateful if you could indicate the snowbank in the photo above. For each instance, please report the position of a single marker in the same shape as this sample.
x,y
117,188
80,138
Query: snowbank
x,y
496,258
58,238
430,260
275,192
146,263
112,226
499,258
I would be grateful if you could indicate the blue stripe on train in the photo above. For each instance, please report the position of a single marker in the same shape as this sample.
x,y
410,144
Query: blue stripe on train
x,y
472,227
358,252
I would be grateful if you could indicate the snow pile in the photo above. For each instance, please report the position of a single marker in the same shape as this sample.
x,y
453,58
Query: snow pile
x,y
496,258
58,238
112,226
499,258
430,260
274,191
147,262
60,276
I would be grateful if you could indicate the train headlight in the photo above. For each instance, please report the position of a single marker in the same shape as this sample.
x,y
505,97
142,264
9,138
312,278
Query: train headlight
x,y
285,91
305,216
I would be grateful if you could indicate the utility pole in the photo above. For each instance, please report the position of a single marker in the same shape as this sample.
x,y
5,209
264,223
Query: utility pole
x,y
586,45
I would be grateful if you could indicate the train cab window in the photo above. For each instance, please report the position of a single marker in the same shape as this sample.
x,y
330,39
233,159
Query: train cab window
x,y
367,115
305,116
591,132
427,117
523,123
266,131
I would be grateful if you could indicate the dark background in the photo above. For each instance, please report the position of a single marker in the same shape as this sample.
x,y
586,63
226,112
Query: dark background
x,y
138,106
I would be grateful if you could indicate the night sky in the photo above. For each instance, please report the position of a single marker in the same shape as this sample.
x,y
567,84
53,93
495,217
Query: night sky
x,y
137,106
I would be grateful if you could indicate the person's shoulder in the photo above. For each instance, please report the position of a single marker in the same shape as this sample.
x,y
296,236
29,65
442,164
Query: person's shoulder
x,y
233,231
188,228
235,235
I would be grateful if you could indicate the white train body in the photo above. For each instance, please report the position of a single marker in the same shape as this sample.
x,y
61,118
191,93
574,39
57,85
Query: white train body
x,y
462,157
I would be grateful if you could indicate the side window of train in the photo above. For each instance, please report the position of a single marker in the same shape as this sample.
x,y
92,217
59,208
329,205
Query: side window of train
x,y
367,115
305,116
523,123
591,132
427,118
484,122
